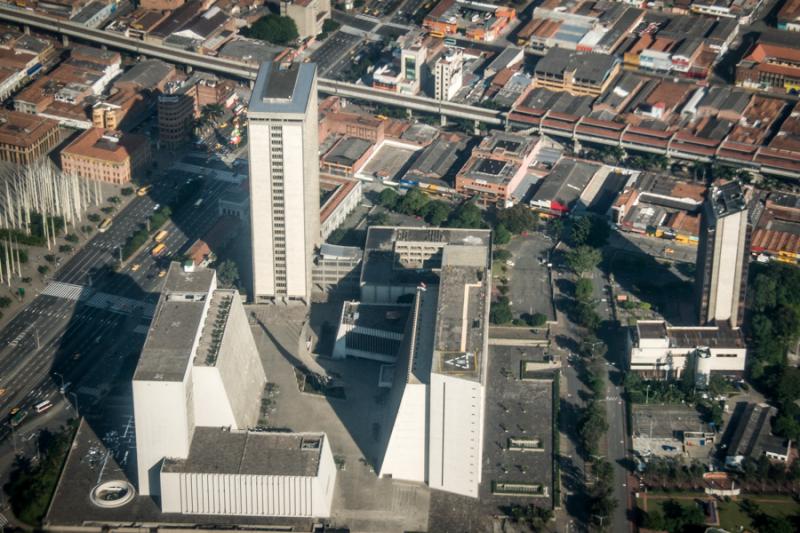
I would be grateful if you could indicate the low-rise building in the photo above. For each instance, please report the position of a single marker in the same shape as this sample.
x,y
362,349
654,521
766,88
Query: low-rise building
x,y
770,66
753,438
559,192
308,15
25,138
660,206
659,351
776,232
788,17
496,167
576,73
106,155
340,196
478,21
346,157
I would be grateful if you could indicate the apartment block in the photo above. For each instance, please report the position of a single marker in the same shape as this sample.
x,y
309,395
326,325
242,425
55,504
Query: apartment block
x,y
308,15
25,138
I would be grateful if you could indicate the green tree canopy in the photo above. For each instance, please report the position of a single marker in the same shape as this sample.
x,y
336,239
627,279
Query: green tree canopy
x,y
437,212
274,29
501,234
517,219
467,215
388,198
584,289
583,259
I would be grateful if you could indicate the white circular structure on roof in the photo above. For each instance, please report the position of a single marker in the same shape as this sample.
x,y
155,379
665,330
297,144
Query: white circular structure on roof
x,y
112,494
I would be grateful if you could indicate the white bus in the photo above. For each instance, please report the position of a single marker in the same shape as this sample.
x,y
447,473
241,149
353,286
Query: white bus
x,y
41,407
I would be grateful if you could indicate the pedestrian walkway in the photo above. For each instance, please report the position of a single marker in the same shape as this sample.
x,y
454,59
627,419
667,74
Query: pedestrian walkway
x,y
68,291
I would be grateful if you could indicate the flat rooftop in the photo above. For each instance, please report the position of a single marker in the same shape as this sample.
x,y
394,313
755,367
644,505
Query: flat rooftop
x,y
461,319
382,265
691,336
88,465
219,451
727,199
167,351
666,421
282,88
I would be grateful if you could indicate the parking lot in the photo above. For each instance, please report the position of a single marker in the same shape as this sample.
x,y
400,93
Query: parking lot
x,y
529,281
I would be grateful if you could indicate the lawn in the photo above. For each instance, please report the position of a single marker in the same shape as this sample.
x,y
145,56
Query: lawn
x,y
731,514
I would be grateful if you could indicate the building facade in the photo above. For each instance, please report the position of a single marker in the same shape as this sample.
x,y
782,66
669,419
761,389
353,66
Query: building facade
x,y
723,256
106,155
308,15
284,180
448,75
25,138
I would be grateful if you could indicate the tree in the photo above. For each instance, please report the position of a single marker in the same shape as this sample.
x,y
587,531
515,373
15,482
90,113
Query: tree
x,y
517,219
537,320
126,191
678,517
501,312
330,26
413,202
388,198
437,212
274,29
584,289
501,255
583,259
5,301
501,234
467,215
43,269
228,274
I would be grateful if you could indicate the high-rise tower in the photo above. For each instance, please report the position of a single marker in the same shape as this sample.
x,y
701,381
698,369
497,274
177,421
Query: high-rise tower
x,y
722,257
284,180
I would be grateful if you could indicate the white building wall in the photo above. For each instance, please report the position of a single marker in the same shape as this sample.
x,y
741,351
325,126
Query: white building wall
x,y
722,359
324,484
164,427
407,446
293,186
454,455
260,212
236,495
723,298
211,405
248,495
240,369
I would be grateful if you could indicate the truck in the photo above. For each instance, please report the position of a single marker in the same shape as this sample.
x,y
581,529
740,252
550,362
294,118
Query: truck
x,y
143,190
160,236
159,250
104,225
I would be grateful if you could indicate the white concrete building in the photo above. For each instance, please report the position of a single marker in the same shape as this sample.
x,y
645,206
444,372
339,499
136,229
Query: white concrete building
x,y
723,256
448,74
659,351
229,472
284,180
196,396
436,403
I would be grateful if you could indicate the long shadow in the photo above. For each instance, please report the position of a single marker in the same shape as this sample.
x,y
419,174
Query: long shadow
x,y
639,274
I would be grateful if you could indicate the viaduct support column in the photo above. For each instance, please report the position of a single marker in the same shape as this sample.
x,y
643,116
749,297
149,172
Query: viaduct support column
x,y
65,40
26,29
443,120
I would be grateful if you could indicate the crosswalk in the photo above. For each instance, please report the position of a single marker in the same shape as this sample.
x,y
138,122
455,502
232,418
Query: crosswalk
x,y
68,291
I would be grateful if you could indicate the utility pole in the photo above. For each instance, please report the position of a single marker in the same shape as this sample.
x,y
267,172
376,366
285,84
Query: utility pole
x,y
36,334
